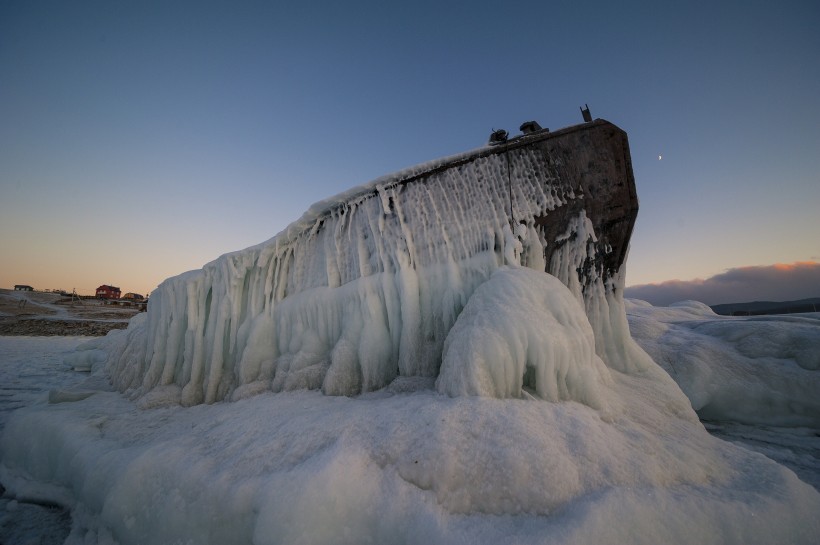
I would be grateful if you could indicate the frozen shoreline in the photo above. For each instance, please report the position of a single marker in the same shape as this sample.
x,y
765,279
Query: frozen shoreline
x,y
50,314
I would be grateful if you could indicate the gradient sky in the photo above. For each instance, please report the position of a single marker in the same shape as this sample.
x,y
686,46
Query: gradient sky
x,y
139,140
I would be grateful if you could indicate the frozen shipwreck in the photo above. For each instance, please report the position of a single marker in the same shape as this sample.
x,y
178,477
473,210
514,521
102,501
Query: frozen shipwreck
x,y
364,289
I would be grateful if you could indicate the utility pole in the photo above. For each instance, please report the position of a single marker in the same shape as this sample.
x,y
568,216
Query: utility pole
x,y
75,297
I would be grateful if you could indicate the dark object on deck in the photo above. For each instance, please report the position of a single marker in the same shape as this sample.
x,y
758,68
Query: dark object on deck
x,y
530,127
586,114
498,137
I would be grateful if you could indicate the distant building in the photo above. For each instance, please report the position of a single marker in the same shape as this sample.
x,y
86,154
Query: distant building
x,y
22,287
133,296
108,292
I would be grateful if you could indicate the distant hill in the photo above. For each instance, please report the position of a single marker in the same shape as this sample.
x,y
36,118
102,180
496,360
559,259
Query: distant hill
x,y
768,307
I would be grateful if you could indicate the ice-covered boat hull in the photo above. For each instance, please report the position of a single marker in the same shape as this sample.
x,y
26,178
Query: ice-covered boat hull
x,y
365,287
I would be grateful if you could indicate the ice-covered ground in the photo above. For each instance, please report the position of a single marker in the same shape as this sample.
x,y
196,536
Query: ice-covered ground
x,y
29,368
405,464
753,380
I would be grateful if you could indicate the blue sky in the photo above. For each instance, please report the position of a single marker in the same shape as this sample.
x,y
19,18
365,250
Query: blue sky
x,y
142,139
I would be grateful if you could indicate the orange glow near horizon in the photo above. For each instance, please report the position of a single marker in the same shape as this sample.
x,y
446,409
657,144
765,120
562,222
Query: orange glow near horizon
x,y
795,265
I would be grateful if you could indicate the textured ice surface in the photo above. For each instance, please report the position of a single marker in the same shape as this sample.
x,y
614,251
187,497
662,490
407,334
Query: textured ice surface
x,y
761,370
29,367
523,332
754,379
401,465
365,287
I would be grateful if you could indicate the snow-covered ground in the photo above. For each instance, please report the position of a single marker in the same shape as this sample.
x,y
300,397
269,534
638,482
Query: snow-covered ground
x,y
753,380
408,464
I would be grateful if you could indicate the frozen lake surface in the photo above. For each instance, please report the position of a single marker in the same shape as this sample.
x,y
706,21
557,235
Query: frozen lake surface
x,y
29,368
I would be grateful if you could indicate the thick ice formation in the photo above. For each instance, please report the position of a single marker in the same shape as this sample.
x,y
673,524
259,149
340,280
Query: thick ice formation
x,y
523,331
366,287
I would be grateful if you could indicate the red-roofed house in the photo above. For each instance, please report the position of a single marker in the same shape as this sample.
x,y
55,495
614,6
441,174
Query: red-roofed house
x,y
108,292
